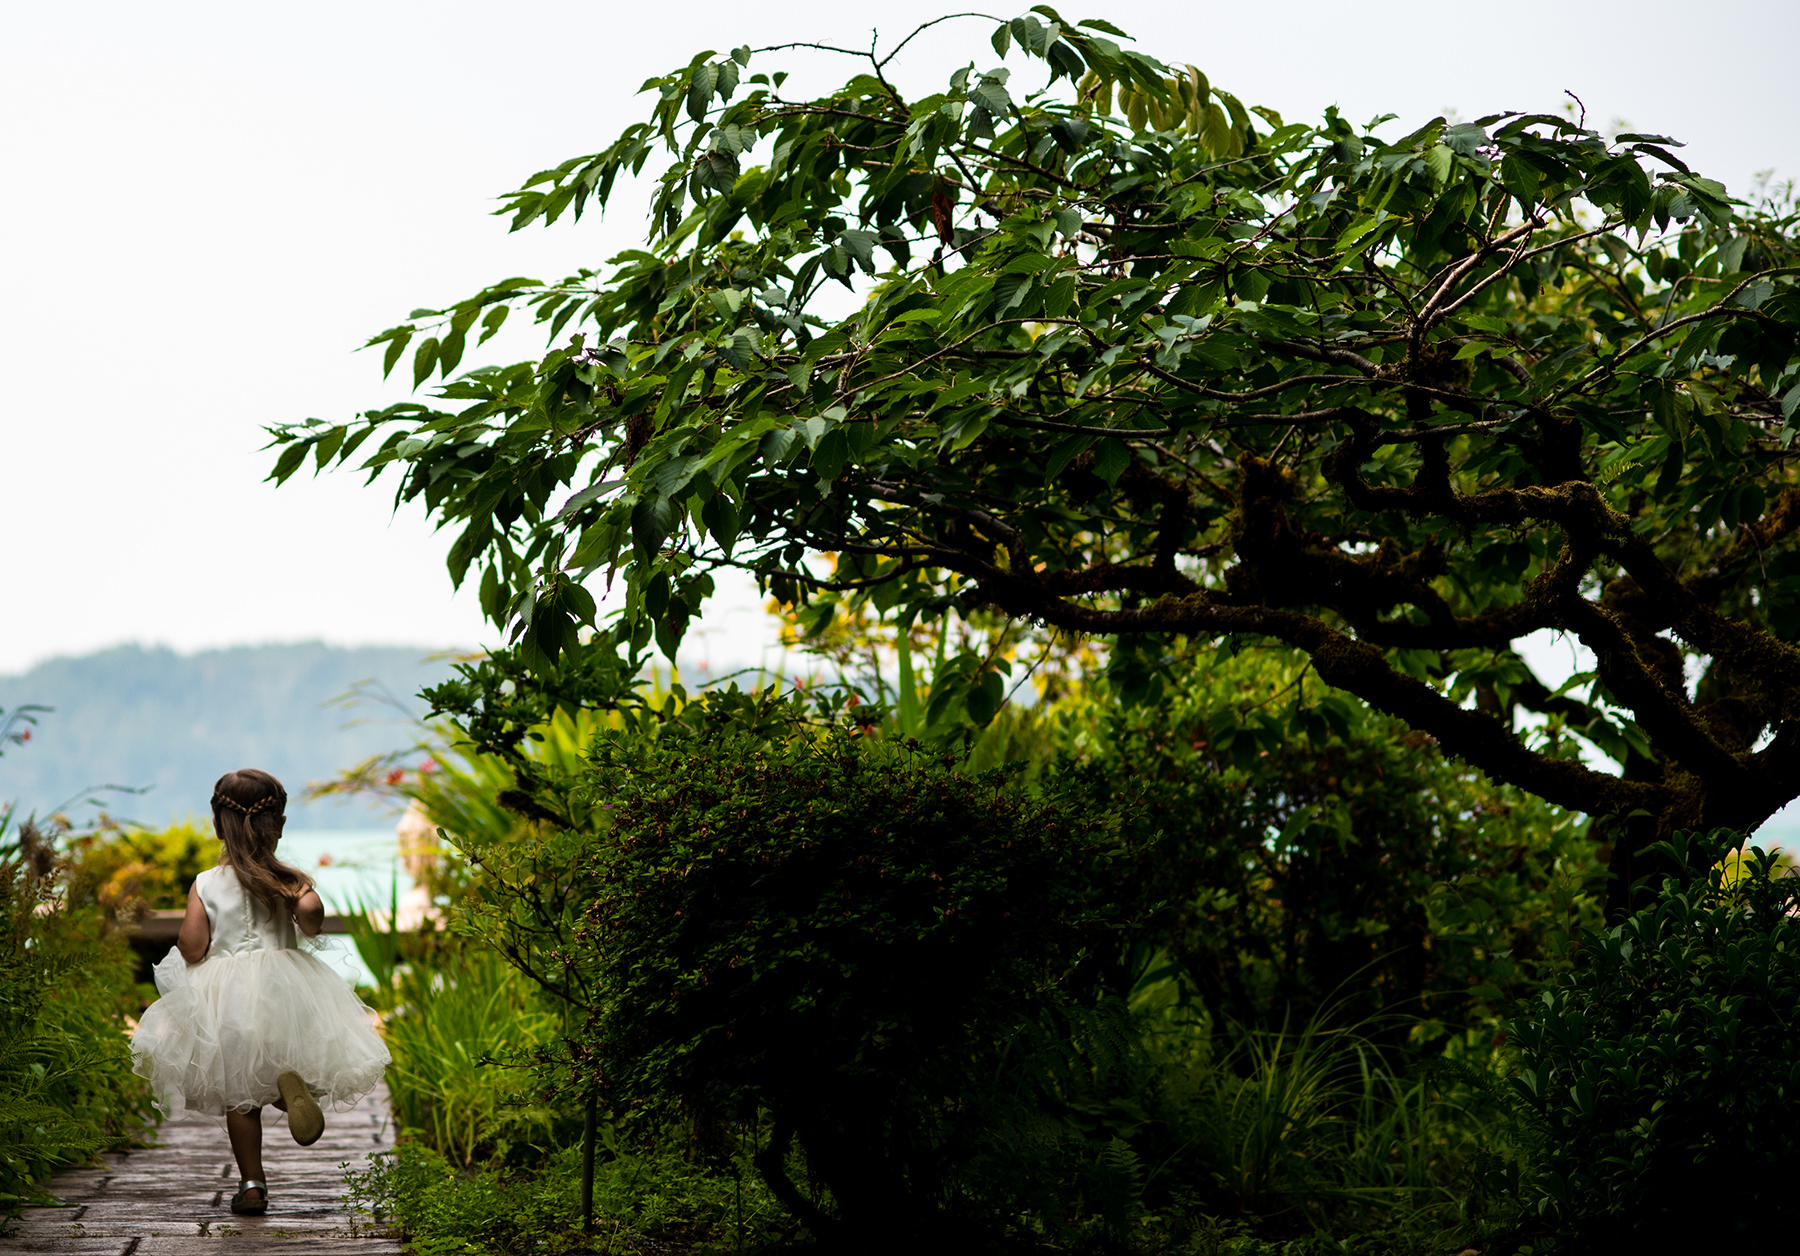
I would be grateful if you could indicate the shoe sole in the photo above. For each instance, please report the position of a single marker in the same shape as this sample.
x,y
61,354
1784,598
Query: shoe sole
x,y
305,1121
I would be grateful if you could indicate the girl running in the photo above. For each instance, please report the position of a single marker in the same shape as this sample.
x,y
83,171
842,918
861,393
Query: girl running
x,y
246,1017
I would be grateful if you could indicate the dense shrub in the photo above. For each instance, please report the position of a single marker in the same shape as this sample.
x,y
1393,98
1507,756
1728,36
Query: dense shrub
x,y
488,1157
1329,877
1349,870
443,1209
67,1092
128,871
845,934
1665,1068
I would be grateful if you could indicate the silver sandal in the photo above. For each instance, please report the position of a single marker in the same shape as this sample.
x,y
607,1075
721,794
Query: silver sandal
x,y
250,1208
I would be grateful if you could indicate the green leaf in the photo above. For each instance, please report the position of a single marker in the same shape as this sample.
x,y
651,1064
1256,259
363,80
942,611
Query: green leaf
x,y
828,459
722,519
908,711
450,353
652,519
1521,179
1755,294
861,245
1111,459
493,594
672,475
289,461
396,346
1066,62
1070,134
491,322
1064,454
424,359
1009,290
700,90
1440,160
328,445
991,95
720,169
741,350
473,540
985,699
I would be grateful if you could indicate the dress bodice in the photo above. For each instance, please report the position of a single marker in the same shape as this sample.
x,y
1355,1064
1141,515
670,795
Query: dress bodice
x,y
239,921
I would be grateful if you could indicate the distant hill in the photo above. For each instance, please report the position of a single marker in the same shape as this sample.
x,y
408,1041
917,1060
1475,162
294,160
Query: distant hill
x,y
177,722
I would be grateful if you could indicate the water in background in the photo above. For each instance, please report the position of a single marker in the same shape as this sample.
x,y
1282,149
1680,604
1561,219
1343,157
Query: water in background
x,y
351,868
1781,830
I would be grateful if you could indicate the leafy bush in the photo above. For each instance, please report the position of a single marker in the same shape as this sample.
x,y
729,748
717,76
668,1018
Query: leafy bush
x,y
1154,1129
1315,880
67,1092
1410,876
1325,856
486,1163
131,871
844,934
443,1209
1665,1068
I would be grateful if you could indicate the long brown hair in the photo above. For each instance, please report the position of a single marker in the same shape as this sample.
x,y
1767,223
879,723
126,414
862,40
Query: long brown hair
x,y
248,806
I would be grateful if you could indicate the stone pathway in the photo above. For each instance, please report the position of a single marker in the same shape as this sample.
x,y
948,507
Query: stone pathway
x,y
174,1199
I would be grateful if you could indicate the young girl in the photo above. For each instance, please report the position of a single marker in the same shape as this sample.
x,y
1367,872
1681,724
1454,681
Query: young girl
x,y
246,1018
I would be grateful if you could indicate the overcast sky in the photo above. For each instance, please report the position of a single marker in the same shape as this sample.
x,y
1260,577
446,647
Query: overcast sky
x,y
208,207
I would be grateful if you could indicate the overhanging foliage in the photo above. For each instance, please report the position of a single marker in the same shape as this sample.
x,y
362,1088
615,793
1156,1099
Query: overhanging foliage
x,y
1125,357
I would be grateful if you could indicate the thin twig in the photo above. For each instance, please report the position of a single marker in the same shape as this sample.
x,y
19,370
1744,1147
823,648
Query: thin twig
x,y
922,27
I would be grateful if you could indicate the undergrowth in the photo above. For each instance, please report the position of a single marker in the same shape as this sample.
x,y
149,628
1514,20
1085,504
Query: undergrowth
x,y
441,1208
67,1092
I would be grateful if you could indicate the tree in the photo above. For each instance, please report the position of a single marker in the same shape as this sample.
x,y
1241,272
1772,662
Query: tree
x,y
1124,357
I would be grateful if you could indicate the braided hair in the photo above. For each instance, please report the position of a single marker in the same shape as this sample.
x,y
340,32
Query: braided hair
x,y
248,806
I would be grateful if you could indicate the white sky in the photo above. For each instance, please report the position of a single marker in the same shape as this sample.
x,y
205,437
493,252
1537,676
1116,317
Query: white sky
x,y
206,207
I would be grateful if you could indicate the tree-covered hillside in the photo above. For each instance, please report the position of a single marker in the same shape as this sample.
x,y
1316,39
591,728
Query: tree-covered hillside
x,y
174,722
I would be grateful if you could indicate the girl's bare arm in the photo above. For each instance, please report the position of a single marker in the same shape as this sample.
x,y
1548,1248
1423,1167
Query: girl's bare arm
x,y
309,914
196,931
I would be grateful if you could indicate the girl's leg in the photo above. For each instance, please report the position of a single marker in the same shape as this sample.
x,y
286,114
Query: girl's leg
x,y
245,1130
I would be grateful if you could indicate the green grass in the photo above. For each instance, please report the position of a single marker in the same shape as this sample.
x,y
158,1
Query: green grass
x,y
444,1208
1314,1133
458,1039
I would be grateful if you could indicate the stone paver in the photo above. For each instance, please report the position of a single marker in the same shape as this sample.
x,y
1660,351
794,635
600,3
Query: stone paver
x,y
174,1199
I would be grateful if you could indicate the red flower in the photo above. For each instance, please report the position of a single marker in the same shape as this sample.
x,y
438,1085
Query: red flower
x,y
396,776
430,765
25,736
325,861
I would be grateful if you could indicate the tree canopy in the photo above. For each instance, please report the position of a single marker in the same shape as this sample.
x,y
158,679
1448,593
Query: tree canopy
x,y
1122,356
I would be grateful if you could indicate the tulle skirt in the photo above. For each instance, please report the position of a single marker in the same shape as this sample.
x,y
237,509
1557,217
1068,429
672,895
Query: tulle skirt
x,y
227,1027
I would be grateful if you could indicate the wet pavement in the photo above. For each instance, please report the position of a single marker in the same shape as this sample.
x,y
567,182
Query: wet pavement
x,y
174,1199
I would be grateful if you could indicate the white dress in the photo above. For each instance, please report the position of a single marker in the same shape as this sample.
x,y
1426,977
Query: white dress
x,y
256,1006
